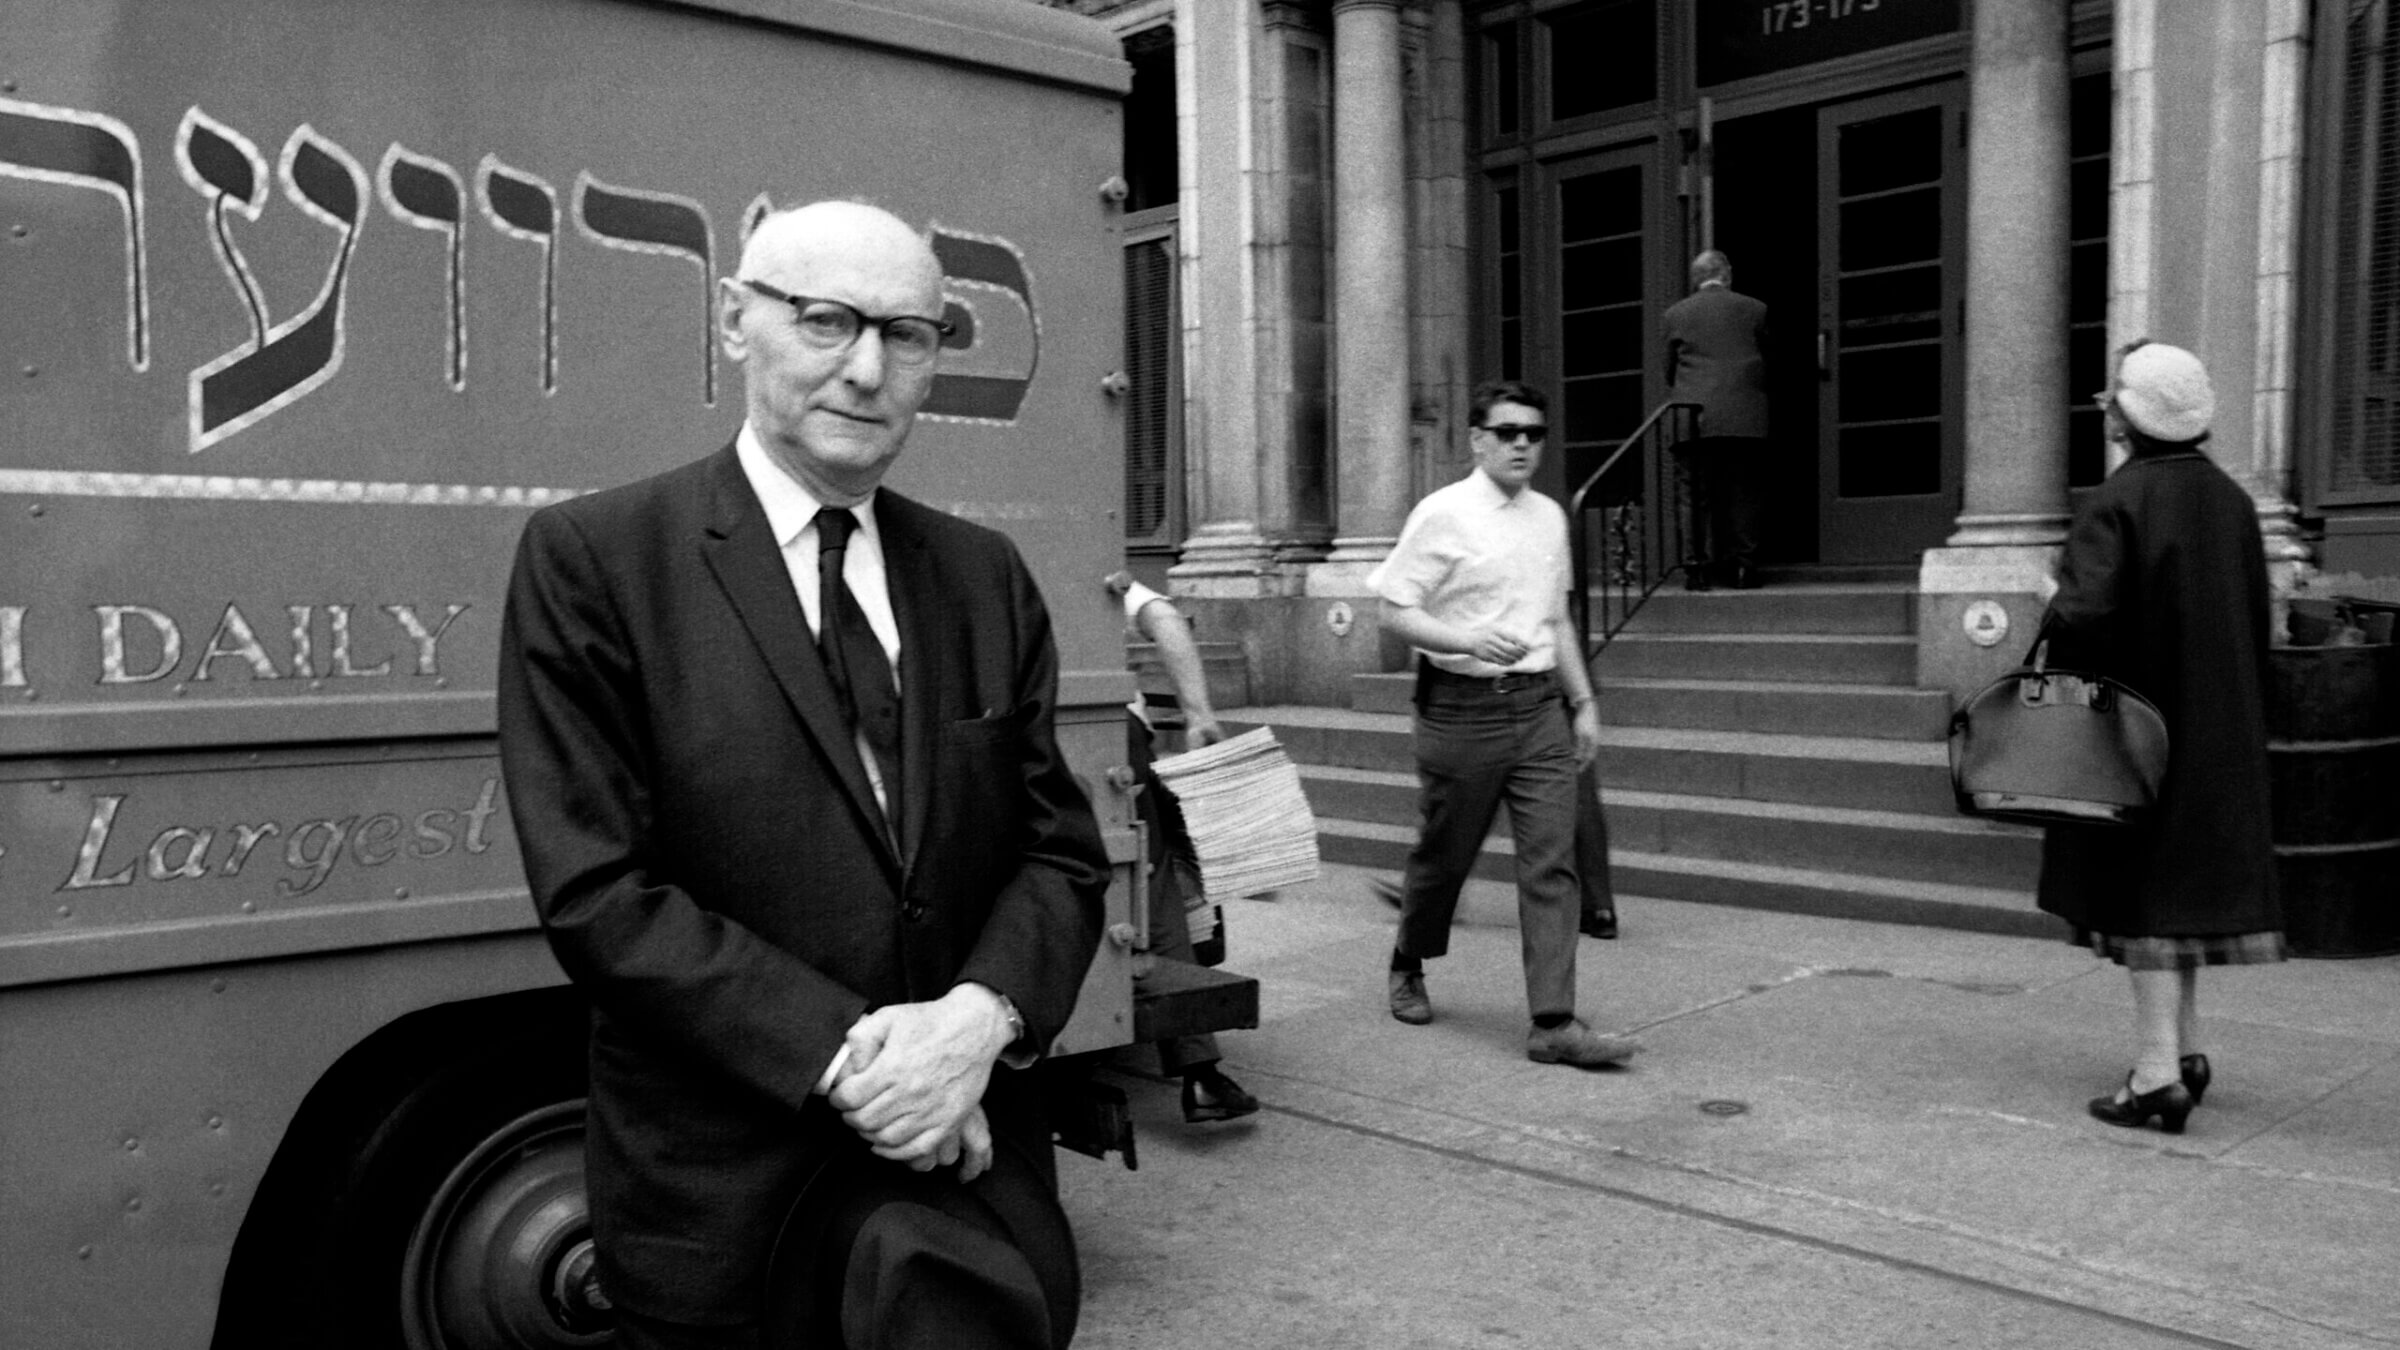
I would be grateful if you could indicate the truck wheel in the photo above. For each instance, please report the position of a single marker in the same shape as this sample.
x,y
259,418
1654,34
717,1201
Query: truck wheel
x,y
501,1256
463,1224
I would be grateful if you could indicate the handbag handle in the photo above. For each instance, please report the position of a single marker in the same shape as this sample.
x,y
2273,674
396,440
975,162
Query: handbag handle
x,y
2037,656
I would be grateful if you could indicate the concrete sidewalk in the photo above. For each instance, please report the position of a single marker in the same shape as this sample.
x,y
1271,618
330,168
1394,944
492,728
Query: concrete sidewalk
x,y
1843,1134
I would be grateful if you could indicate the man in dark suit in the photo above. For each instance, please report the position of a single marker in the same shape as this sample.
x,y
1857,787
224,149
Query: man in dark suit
x,y
793,813
1716,357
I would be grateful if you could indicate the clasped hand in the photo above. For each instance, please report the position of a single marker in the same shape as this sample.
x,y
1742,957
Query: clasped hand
x,y
913,1085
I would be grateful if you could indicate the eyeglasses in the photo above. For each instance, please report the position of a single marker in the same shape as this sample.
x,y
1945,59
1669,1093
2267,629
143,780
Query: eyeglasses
x,y
1531,433
2107,398
910,339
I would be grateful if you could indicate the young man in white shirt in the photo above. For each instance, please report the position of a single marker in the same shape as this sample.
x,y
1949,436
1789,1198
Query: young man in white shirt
x,y
1478,584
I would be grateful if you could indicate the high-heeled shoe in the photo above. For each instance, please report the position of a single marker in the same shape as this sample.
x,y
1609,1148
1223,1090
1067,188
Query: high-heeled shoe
x,y
2168,1105
2195,1076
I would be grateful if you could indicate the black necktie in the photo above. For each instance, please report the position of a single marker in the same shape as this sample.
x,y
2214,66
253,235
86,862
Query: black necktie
x,y
854,659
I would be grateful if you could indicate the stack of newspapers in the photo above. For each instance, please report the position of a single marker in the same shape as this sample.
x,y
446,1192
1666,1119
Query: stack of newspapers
x,y
1250,823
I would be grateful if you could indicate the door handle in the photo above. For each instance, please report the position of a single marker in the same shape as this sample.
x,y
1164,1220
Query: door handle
x,y
1824,354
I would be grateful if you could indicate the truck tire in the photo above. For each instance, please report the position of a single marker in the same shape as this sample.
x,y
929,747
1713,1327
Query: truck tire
x,y
471,1198
445,1212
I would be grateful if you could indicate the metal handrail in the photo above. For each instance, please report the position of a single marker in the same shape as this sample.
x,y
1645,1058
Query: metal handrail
x,y
1639,528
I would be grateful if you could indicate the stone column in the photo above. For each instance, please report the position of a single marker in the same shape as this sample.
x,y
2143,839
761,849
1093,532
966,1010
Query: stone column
x,y
1371,284
1981,592
2204,219
1227,554
1441,349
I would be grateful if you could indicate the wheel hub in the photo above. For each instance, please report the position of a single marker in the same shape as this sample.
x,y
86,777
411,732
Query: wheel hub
x,y
503,1257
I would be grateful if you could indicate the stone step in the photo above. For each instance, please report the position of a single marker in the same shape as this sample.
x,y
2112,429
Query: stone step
x,y
1892,844
1885,608
1795,890
1383,693
1859,772
1838,574
1820,658
1778,707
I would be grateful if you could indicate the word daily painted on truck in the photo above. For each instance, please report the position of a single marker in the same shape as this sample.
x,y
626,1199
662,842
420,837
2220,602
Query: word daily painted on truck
x,y
143,644
988,292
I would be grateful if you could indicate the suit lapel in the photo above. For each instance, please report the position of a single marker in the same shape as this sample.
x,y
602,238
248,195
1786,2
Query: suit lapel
x,y
741,551
917,606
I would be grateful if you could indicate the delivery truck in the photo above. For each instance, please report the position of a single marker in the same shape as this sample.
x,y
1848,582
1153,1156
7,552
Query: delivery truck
x,y
305,305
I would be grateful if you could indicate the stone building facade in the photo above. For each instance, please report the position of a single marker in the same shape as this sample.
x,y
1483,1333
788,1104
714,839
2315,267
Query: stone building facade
x,y
1344,213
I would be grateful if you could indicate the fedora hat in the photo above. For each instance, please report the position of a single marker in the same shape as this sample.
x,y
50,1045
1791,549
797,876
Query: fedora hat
x,y
873,1256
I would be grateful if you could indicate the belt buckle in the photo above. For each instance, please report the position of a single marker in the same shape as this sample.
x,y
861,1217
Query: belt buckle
x,y
1508,681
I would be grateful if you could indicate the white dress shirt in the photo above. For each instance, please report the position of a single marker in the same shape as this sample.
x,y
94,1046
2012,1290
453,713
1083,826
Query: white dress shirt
x,y
1472,554
792,516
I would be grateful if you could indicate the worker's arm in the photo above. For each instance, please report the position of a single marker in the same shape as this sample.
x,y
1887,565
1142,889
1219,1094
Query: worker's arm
x,y
1166,628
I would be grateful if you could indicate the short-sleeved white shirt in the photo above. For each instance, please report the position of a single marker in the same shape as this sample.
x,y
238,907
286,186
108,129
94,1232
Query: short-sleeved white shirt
x,y
1471,554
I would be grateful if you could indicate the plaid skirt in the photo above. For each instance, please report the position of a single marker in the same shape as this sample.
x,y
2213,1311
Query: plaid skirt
x,y
2183,953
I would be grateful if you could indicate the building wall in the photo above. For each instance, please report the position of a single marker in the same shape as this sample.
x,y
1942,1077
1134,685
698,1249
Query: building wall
x,y
2210,151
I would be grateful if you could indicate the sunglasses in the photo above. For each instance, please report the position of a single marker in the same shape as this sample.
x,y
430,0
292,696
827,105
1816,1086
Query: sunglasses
x,y
1530,433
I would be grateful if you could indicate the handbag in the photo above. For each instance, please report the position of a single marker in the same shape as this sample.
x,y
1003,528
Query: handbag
x,y
2051,747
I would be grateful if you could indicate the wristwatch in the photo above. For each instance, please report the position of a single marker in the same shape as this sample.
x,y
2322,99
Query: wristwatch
x,y
1016,1054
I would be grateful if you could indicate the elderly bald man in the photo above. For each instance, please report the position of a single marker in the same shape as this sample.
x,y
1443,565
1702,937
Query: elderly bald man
x,y
778,742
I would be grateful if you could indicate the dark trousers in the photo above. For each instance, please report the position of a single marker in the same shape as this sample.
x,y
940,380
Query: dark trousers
x,y
1591,847
1725,487
1478,749
1174,873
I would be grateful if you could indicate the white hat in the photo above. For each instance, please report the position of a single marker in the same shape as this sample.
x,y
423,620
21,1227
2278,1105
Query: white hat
x,y
2164,392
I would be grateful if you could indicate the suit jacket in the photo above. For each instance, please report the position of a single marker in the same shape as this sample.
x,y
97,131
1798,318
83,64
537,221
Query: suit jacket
x,y
705,853
1716,357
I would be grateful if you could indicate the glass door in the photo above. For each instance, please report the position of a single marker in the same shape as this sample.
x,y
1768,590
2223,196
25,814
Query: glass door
x,y
1606,333
1891,232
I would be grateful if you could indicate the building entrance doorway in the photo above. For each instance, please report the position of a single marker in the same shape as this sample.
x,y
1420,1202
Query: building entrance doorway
x,y
1848,220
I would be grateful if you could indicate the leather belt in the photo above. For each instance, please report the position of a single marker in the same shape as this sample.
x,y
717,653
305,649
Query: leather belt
x,y
1506,683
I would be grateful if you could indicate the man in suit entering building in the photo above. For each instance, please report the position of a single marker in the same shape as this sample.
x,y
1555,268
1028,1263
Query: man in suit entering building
x,y
778,742
1716,357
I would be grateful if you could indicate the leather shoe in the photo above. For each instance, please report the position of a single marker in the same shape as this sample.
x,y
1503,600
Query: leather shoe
x,y
1577,1044
2167,1105
1209,1095
1698,579
1742,577
1409,1003
1600,923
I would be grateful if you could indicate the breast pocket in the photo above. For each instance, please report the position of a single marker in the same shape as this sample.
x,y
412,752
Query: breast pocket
x,y
979,801
992,729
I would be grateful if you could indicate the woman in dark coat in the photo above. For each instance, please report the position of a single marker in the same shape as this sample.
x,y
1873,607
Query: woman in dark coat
x,y
2163,584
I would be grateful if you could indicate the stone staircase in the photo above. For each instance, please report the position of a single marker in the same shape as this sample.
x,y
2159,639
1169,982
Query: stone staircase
x,y
1764,748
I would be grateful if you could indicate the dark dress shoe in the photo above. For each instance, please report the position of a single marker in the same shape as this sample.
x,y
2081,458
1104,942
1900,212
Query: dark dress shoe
x,y
2195,1076
1209,1095
2168,1106
1698,579
1600,924
1743,577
